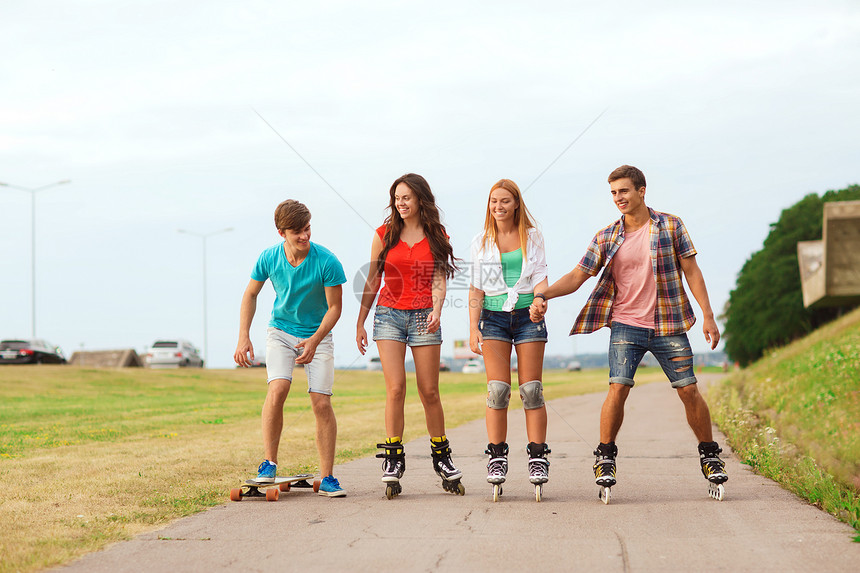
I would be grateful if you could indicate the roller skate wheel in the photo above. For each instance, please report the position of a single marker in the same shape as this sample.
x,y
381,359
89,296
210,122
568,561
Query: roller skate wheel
x,y
497,492
717,491
604,494
461,489
538,492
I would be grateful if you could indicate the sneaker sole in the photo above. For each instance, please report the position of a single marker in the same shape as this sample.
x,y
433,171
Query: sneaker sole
x,y
332,493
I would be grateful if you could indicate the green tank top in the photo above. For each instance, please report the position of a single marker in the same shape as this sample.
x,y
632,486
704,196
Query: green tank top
x,y
512,268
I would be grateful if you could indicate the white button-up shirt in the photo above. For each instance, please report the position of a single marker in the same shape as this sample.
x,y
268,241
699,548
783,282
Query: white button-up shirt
x,y
487,274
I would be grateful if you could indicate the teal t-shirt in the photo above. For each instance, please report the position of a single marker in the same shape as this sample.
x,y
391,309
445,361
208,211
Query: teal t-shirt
x,y
512,268
300,302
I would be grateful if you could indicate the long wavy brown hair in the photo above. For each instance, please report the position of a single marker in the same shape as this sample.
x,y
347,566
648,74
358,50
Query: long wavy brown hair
x,y
522,218
440,246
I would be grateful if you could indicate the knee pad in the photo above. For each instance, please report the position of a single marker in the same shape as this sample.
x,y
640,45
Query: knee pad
x,y
498,394
531,393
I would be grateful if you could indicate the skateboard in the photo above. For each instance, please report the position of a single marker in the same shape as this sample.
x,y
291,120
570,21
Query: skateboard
x,y
254,488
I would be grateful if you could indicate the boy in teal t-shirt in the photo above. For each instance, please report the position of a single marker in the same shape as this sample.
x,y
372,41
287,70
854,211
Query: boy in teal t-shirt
x,y
307,279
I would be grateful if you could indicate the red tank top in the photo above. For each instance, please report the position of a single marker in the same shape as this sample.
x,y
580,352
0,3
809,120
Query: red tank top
x,y
408,274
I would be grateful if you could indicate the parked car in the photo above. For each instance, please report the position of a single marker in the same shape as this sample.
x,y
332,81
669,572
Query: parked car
x,y
375,364
30,351
175,353
443,366
473,366
574,366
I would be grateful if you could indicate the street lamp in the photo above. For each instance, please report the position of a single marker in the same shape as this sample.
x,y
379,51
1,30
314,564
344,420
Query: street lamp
x,y
205,236
32,193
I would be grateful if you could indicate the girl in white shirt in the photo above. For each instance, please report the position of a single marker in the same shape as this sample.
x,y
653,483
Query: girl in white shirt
x,y
508,271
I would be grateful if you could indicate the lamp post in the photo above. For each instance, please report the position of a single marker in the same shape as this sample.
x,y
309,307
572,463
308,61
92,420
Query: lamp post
x,y
32,193
205,236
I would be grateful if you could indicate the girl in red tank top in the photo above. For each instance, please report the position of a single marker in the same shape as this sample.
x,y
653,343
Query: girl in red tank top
x,y
412,252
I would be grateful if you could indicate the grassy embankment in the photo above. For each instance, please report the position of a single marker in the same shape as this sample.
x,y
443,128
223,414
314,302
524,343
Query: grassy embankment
x,y
794,416
88,457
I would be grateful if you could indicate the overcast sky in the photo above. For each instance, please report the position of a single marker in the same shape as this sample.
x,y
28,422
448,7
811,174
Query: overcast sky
x,y
734,111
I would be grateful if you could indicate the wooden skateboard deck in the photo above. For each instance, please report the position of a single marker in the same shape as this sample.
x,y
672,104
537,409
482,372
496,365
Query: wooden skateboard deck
x,y
254,488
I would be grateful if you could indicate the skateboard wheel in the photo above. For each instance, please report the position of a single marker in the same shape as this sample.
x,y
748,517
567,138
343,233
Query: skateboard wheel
x,y
497,492
317,486
284,487
236,494
538,492
272,494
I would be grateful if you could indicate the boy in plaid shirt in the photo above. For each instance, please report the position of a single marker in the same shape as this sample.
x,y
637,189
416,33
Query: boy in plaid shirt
x,y
641,298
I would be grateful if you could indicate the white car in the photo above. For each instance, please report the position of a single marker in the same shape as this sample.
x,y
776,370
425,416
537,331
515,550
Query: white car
x,y
473,366
375,364
176,353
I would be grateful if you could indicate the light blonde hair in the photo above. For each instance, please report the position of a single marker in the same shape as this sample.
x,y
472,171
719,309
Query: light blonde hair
x,y
522,218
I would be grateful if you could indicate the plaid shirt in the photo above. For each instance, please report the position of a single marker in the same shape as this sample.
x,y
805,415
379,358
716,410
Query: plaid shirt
x,y
670,242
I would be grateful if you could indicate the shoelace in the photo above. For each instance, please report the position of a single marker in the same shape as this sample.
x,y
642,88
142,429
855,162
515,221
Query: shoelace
x,y
496,467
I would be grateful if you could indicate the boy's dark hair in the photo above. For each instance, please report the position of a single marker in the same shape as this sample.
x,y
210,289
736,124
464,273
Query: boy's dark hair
x,y
634,174
291,215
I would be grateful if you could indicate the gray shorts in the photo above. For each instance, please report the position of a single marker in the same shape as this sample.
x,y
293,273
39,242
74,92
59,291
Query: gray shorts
x,y
281,354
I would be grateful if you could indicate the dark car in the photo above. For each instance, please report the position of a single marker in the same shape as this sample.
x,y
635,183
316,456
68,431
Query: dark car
x,y
30,351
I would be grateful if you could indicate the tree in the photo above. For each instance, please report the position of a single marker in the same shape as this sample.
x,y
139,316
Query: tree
x,y
765,310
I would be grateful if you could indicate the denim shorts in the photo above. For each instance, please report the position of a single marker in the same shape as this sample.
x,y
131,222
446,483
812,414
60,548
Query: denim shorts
x,y
406,326
281,354
628,344
514,326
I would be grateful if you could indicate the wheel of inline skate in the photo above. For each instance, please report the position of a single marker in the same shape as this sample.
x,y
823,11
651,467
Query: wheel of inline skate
x,y
497,492
461,489
538,492
272,494
389,492
236,494
604,494
717,491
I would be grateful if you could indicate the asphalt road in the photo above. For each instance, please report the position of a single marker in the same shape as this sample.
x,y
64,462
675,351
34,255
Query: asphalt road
x,y
660,515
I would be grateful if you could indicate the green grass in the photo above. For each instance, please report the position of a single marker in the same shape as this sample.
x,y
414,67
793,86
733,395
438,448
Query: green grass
x,y
144,435
794,416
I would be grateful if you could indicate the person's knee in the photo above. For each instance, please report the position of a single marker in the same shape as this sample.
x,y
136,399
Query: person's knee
x,y
690,394
498,395
429,396
321,404
397,393
531,393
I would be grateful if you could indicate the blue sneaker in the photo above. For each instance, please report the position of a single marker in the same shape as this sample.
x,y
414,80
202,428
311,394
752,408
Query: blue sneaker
x,y
331,487
266,472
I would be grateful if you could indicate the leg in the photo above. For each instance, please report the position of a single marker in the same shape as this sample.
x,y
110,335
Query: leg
x,y
427,377
530,367
273,417
326,431
698,414
392,355
612,412
497,361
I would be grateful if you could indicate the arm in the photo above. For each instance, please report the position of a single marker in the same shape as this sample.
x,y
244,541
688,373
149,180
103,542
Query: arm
x,y
246,315
371,287
696,282
567,284
334,299
476,302
440,287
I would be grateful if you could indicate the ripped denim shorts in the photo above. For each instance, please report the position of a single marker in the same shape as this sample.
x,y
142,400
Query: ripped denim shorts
x,y
628,344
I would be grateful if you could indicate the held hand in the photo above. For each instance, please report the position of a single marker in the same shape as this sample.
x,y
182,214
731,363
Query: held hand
x,y
243,350
712,333
361,339
310,348
537,310
475,342
433,321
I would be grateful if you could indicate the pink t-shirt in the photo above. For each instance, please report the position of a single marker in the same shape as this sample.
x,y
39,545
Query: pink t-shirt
x,y
636,290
